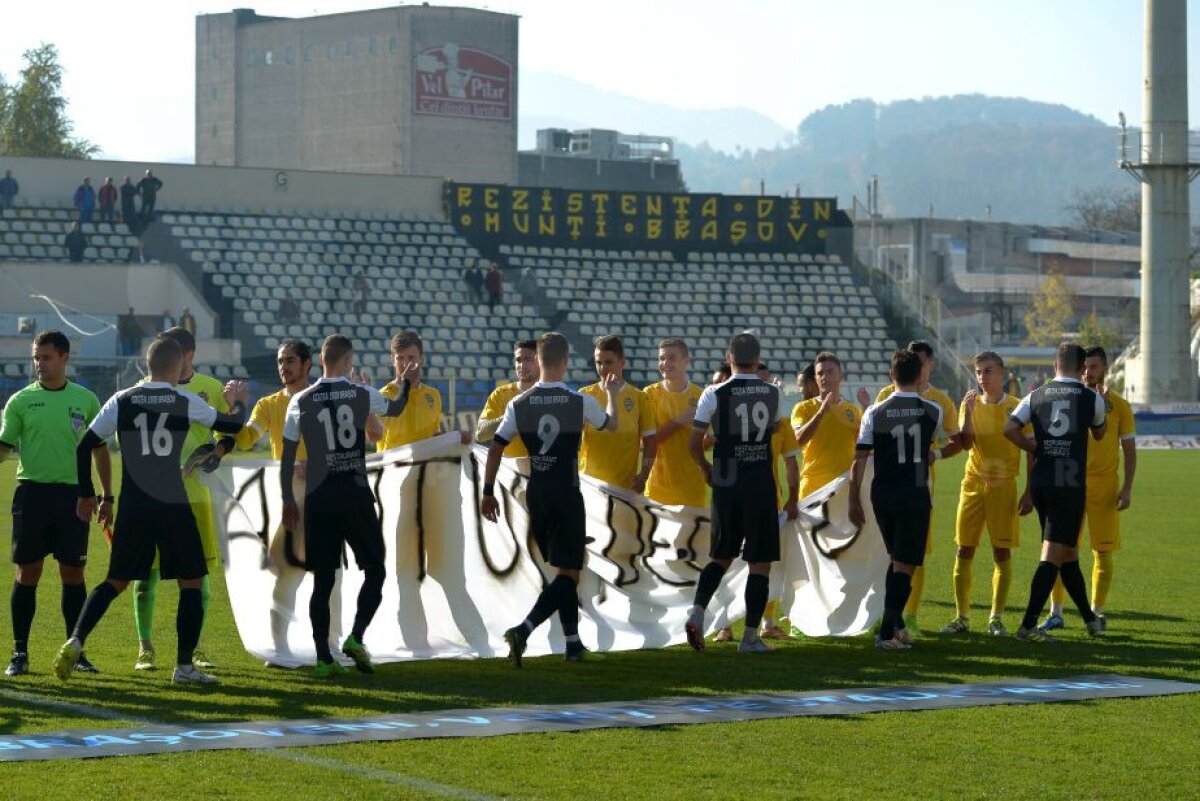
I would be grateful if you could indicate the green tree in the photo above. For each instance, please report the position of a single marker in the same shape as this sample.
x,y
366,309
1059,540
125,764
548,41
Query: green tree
x,y
1094,331
33,119
1046,321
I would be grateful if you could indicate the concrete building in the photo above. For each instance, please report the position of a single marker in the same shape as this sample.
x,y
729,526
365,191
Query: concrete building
x,y
407,90
975,280
602,160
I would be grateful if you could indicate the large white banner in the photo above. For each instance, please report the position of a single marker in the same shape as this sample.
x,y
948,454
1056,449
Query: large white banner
x,y
456,581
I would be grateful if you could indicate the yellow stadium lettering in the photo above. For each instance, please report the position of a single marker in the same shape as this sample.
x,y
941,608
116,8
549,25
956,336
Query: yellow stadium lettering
x,y
683,229
520,200
574,226
654,205
766,232
709,232
821,210
629,205
491,197
521,223
546,225
574,202
491,222
654,229
796,210
463,197
600,202
547,201
764,207
682,204
737,231
709,207
797,231
601,228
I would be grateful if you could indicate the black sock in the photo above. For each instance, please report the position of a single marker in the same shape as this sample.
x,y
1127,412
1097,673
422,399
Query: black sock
x,y
1072,579
568,612
551,600
73,596
897,587
1039,591
188,620
757,590
93,609
318,611
370,595
706,586
24,605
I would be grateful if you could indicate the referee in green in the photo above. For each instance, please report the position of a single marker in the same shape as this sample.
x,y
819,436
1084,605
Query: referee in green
x,y
44,422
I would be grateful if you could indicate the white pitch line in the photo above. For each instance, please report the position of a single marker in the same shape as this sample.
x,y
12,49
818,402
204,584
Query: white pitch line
x,y
364,771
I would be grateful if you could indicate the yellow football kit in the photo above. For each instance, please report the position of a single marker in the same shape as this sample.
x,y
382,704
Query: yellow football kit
x,y
616,456
830,450
1103,483
421,418
675,478
493,410
989,486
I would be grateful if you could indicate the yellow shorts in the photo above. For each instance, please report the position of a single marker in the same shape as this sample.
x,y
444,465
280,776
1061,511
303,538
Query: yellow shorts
x,y
993,505
1103,522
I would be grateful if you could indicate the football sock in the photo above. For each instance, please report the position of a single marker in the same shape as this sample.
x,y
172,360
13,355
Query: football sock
x,y
1039,591
370,595
318,611
757,590
1072,579
1057,596
93,609
145,593
770,614
205,595
896,589
73,597
550,601
24,605
706,585
188,620
568,612
914,595
1102,576
1001,581
962,585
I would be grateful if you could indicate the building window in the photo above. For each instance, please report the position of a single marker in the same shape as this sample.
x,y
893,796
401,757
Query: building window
x,y
289,57
373,45
393,44
308,55
268,58
350,48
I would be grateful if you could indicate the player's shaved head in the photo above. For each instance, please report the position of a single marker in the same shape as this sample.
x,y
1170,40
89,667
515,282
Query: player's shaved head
x,y
163,355
1069,357
744,351
553,349
1097,352
181,337
334,349
906,367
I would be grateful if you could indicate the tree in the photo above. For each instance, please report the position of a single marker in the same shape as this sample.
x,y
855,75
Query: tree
x,y
1107,208
1094,331
33,120
1046,321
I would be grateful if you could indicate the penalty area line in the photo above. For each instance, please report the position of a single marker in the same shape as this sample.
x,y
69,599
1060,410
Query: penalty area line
x,y
363,771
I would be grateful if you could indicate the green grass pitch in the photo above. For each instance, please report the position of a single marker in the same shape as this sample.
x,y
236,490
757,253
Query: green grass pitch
x,y
1139,748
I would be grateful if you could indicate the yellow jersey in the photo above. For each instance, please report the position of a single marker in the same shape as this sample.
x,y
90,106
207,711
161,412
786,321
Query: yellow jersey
x,y
783,445
212,392
1104,453
675,478
932,393
267,418
616,456
830,450
421,418
992,457
493,410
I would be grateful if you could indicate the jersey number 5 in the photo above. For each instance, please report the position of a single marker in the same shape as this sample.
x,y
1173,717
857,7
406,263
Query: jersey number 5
x,y
157,441
1060,418
345,426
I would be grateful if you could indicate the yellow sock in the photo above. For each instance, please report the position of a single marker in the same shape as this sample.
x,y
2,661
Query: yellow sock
x,y
769,613
962,585
1001,581
1059,594
1102,576
914,597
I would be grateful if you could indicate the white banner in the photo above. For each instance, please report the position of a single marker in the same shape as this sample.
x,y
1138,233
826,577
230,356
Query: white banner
x,y
456,582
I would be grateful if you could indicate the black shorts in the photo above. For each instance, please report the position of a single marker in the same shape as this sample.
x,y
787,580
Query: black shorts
x,y
44,523
339,514
146,527
904,524
745,521
558,524
1061,511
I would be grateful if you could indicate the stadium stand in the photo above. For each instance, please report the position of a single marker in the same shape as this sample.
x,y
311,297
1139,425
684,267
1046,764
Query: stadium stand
x,y
32,233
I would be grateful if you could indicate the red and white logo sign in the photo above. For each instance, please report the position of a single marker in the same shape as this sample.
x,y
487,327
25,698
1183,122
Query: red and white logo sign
x,y
456,81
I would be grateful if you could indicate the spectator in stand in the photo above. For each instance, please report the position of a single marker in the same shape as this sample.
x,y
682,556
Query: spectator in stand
x,y
528,286
187,322
129,333
289,310
494,283
8,190
167,322
108,201
473,278
128,209
148,188
361,288
85,200
75,242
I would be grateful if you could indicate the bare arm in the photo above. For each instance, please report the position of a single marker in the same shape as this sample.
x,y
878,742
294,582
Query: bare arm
x,y
375,429
966,437
856,478
489,507
696,449
103,461
1014,434
1129,450
649,451
1098,431
806,432
793,485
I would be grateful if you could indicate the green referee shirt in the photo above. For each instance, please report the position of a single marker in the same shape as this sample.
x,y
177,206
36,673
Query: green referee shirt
x,y
46,425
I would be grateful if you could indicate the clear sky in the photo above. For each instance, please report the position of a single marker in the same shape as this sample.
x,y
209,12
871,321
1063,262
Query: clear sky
x,y
130,64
